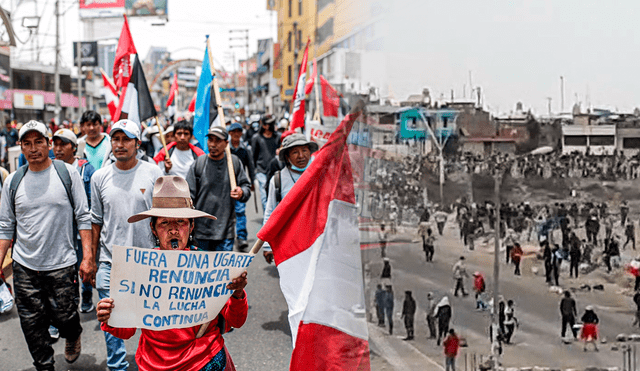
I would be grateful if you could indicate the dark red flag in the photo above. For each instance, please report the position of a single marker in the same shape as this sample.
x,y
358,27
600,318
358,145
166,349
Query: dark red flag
x,y
330,98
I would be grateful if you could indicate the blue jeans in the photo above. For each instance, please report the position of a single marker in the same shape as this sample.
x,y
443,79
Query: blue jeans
x,y
216,245
262,184
116,351
241,221
450,363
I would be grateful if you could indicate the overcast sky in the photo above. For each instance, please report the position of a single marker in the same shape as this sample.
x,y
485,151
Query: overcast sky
x,y
183,35
517,50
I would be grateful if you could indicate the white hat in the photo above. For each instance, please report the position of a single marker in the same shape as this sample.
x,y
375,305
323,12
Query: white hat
x,y
66,136
33,125
128,127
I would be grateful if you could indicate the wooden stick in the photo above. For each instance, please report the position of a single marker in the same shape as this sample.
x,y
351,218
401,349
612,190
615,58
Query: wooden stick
x,y
216,91
316,81
257,246
162,139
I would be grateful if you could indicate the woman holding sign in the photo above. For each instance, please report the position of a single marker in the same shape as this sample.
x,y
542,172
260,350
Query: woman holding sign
x,y
199,347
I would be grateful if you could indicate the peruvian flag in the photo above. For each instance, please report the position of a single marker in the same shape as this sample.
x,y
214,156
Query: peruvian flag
x,y
173,91
192,104
110,94
122,63
330,98
297,115
309,86
315,239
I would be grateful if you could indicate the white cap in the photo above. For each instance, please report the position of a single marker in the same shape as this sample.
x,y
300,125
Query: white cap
x,y
67,136
128,127
33,125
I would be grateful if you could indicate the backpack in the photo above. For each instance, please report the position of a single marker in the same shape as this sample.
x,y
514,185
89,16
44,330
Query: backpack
x,y
62,172
277,181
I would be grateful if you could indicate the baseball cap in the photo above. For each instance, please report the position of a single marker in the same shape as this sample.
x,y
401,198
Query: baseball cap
x,y
219,132
33,125
66,136
235,126
128,127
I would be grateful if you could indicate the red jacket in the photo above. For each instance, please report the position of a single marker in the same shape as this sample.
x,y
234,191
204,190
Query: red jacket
x,y
161,155
178,349
516,254
451,345
478,283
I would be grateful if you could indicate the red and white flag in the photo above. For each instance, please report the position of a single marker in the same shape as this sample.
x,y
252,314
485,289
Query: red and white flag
x,y
297,113
315,239
192,104
122,63
330,98
110,94
312,79
173,91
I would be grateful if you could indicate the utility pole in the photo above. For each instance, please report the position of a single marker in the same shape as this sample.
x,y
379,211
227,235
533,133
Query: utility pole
x,y
549,104
561,93
56,78
246,45
80,105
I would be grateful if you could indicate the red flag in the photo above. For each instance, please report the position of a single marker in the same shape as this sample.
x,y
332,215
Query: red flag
x,y
174,90
122,64
329,331
330,98
192,104
307,89
110,94
297,113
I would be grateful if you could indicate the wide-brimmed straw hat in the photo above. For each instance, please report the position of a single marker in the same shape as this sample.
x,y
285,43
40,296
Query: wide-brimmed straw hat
x,y
171,199
295,140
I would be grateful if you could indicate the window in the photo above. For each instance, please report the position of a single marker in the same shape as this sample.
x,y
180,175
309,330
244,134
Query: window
x,y
289,75
299,39
290,7
575,140
289,42
630,143
299,7
602,140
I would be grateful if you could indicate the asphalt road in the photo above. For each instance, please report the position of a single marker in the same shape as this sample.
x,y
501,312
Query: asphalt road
x,y
537,341
263,343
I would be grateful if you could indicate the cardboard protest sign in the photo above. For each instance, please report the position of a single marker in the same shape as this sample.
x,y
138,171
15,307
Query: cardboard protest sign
x,y
161,290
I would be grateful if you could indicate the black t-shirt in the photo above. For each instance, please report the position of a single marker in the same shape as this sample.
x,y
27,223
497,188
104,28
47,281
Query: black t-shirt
x,y
264,150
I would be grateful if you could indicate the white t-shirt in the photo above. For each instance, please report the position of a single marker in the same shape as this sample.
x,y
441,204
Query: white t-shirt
x,y
181,161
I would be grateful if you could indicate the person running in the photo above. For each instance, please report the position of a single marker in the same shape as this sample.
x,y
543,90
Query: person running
x,y
41,214
510,321
589,332
569,313
408,314
211,192
118,191
443,314
198,347
459,273
451,347
479,288
630,233
516,257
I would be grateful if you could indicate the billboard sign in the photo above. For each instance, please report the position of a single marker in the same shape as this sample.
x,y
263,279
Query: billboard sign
x,y
101,8
88,53
28,101
135,8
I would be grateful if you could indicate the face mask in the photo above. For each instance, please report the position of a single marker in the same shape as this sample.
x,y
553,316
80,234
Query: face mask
x,y
293,167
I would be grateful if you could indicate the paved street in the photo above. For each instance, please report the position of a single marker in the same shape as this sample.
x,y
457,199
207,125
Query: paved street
x,y
537,340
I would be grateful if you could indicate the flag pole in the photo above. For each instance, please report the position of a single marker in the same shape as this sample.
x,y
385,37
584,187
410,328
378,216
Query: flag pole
x,y
216,91
162,138
316,116
257,246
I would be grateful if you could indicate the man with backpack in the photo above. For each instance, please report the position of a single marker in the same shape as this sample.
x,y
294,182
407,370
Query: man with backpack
x,y
119,190
211,192
244,154
296,154
65,147
41,204
182,154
